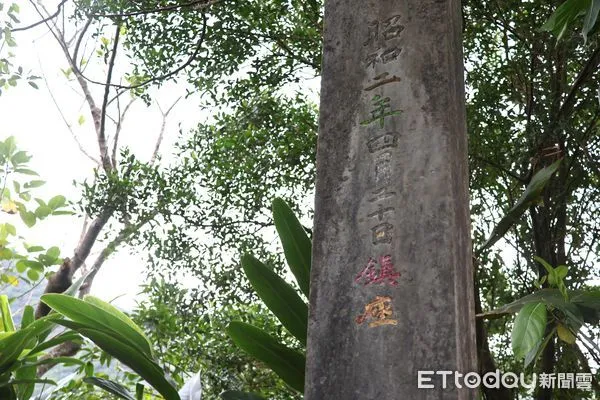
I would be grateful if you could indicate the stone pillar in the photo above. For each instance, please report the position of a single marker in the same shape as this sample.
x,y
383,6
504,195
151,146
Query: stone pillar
x,y
392,290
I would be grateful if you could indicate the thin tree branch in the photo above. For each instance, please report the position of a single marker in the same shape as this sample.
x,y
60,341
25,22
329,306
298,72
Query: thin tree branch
x,y
62,115
118,130
43,21
101,133
586,73
196,5
110,248
162,129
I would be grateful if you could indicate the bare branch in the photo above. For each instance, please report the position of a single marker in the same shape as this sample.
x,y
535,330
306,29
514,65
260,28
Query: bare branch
x,y
196,5
43,21
110,248
64,275
118,131
586,73
101,133
162,129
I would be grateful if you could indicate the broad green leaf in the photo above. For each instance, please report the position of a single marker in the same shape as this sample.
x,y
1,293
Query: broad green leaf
x,y
28,316
26,171
57,202
53,252
278,296
536,352
56,340
565,334
529,328
28,218
288,364
42,212
109,308
561,272
550,297
531,194
6,320
564,15
19,157
33,275
88,315
25,381
237,395
590,19
12,346
134,359
34,184
110,386
297,246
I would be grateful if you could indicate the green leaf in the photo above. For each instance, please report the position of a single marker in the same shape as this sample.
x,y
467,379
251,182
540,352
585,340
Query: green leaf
x,y
237,395
565,334
550,297
33,275
288,364
590,19
111,387
564,15
57,202
109,308
297,246
88,315
33,184
19,157
278,296
28,316
28,218
529,329
26,171
56,340
53,252
134,359
12,346
7,324
42,212
531,194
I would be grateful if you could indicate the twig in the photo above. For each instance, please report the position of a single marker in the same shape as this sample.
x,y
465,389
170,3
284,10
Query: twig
x,y
101,134
43,21
196,4
588,70
62,115
162,129
118,130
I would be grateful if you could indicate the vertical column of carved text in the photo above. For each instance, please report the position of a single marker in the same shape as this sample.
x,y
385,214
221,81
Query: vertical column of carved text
x,y
382,47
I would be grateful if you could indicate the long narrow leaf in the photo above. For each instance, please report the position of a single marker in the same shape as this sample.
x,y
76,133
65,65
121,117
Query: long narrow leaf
x,y
134,359
297,246
111,387
97,318
6,321
12,346
109,308
531,194
285,362
280,297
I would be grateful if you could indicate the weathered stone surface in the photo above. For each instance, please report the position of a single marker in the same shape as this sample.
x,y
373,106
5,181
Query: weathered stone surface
x,y
391,282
